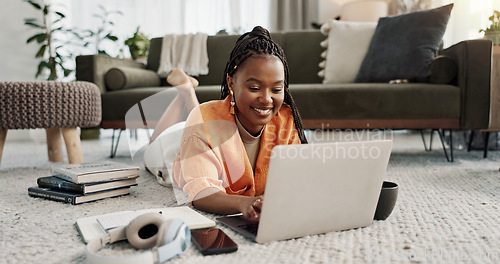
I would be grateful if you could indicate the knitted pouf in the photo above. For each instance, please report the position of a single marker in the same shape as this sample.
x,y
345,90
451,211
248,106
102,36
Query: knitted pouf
x,y
56,106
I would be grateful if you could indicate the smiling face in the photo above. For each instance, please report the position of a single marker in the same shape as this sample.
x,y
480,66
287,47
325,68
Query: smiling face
x,y
259,90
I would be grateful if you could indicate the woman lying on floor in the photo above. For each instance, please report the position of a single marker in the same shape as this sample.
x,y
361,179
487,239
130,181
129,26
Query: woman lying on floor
x,y
224,153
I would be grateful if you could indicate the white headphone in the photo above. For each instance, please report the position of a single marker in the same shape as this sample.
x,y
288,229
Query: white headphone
x,y
168,237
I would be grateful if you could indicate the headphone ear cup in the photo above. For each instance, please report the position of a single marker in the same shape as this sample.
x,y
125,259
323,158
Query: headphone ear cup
x,y
162,233
170,230
142,232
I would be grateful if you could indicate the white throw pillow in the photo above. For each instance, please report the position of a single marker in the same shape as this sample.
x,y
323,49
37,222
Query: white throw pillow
x,y
347,44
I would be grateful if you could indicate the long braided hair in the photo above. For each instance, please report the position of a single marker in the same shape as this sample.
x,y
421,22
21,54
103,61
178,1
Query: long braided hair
x,y
259,42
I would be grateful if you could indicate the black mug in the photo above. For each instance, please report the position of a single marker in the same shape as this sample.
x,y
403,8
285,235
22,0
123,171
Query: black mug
x,y
386,200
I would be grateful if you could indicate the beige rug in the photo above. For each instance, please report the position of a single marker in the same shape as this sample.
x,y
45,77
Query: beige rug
x,y
446,213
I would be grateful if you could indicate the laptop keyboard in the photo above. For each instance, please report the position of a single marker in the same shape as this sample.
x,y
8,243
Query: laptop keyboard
x,y
251,228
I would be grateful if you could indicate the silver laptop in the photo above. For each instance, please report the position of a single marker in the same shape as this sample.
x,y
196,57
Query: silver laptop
x,y
317,188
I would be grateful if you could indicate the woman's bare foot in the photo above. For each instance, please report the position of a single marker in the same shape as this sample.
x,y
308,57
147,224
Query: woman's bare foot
x,y
194,82
178,77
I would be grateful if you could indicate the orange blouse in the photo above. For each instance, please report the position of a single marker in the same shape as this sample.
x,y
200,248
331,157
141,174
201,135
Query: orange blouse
x,y
212,154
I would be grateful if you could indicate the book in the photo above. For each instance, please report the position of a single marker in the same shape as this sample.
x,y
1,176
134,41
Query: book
x,y
96,226
57,183
95,172
74,198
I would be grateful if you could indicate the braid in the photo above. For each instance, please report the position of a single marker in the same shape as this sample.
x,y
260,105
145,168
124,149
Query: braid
x,y
258,42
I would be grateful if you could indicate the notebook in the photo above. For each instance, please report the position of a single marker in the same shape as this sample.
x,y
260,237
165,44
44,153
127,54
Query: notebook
x,y
95,226
317,188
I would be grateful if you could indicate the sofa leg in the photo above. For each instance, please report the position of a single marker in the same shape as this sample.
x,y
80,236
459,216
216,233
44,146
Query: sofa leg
x,y
114,145
471,136
423,140
3,135
486,138
441,133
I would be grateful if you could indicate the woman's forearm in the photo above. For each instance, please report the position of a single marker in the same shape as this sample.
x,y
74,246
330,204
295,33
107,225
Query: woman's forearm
x,y
219,202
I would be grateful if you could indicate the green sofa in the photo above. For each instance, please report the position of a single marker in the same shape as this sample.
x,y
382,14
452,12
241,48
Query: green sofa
x,y
463,103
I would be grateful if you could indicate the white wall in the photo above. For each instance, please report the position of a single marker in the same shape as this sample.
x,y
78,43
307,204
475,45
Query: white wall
x,y
18,58
19,63
329,9
467,16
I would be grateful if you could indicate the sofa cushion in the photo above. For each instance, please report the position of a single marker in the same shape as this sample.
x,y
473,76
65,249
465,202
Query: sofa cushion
x,y
347,44
403,46
155,100
218,49
127,77
302,50
302,56
115,104
443,70
376,100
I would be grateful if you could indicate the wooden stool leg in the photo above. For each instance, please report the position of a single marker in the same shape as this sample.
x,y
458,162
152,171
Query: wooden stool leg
x,y
73,145
3,135
54,148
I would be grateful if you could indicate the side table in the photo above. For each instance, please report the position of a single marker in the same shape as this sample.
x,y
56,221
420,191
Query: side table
x,y
494,102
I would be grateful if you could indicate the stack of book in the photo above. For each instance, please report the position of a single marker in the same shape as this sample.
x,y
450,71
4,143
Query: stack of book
x,y
80,183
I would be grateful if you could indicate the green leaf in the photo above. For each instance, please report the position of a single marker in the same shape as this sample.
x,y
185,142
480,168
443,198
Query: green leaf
x,y
29,23
61,15
91,33
41,66
35,5
60,65
30,20
67,72
46,9
141,45
38,37
57,21
111,37
56,29
41,51
76,34
98,16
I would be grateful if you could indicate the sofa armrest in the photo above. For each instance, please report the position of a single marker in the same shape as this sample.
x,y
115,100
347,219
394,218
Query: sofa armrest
x,y
93,68
473,58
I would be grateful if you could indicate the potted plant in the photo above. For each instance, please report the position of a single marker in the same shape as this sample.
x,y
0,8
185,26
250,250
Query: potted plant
x,y
493,31
104,31
138,45
50,38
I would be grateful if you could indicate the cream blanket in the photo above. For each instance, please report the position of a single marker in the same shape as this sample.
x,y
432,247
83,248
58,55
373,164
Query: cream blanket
x,y
188,52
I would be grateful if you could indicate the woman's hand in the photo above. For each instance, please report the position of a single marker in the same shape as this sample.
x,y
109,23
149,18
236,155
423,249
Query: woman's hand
x,y
214,201
251,207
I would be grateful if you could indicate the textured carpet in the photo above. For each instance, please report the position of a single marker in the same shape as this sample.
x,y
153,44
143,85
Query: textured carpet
x,y
446,213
